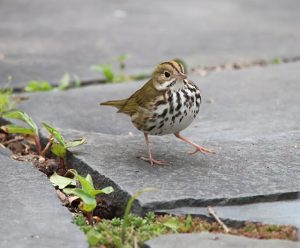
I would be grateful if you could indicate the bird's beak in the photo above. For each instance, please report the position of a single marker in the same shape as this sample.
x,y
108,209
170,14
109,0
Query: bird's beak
x,y
181,76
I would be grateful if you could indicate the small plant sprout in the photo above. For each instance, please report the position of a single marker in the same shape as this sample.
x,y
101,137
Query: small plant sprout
x,y
67,81
59,145
110,75
38,85
87,193
31,130
128,209
107,71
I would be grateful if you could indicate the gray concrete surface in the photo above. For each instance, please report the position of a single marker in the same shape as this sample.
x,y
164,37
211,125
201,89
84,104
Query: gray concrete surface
x,y
211,240
31,213
42,40
240,172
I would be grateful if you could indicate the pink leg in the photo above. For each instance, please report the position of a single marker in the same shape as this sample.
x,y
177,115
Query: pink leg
x,y
198,148
151,160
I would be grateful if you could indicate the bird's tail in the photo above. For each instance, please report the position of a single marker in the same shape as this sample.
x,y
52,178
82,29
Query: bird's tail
x,y
115,103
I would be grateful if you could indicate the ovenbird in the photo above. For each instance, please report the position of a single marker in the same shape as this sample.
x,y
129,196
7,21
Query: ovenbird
x,y
166,104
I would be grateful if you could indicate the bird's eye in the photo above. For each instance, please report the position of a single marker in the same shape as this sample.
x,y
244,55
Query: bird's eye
x,y
167,74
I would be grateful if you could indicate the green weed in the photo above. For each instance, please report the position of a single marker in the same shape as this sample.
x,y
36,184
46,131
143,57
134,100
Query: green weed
x,y
31,128
58,145
87,193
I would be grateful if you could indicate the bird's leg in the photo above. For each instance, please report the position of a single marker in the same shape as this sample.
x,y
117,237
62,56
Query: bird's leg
x,y
151,160
198,148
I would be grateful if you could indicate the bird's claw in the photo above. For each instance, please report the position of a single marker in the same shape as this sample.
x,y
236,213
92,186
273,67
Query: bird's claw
x,y
152,161
202,150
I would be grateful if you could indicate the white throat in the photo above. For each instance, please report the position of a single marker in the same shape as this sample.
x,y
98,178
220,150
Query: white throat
x,y
173,85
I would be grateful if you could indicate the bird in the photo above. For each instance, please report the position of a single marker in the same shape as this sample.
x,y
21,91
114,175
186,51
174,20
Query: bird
x,y
166,104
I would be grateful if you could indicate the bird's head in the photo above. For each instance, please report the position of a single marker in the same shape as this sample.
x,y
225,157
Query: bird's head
x,y
168,75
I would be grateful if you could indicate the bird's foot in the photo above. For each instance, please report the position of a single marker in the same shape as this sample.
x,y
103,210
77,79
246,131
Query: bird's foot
x,y
202,150
153,161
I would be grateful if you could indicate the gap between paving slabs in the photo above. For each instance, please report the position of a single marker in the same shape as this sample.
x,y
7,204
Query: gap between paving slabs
x,y
198,70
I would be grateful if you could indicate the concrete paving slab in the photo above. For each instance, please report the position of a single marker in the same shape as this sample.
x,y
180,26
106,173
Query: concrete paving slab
x,y
32,215
211,240
279,213
42,40
240,172
236,105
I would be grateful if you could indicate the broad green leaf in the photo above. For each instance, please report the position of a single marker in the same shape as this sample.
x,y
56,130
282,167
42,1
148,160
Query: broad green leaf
x,y
89,179
106,191
19,115
17,129
34,86
57,135
89,202
85,184
173,224
61,182
59,150
65,81
74,143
